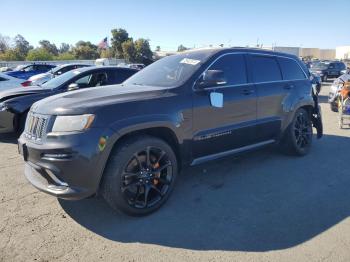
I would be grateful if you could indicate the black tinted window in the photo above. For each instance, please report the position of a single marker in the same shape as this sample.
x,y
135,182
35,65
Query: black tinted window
x,y
290,69
265,69
234,69
119,76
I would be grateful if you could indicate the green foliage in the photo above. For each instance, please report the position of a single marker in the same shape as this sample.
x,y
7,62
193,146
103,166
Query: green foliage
x,y
143,51
65,56
11,55
157,48
64,48
50,48
4,43
129,50
119,36
106,53
85,50
22,46
39,54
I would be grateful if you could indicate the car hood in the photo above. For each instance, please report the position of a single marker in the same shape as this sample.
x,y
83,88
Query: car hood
x,y
10,93
89,100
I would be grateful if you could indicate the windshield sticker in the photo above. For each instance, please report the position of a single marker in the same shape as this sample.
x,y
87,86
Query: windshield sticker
x,y
190,61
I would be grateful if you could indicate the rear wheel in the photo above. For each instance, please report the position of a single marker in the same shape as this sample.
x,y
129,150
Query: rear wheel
x,y
298,136
139,176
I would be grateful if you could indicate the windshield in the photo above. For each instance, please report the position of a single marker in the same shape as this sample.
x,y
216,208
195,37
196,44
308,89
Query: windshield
x,y
170,71
58,81
56,69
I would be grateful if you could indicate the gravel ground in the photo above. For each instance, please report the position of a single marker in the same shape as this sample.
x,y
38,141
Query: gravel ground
x,y
261,206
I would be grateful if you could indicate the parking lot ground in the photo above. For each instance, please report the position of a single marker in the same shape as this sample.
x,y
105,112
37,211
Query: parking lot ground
x,y
261,206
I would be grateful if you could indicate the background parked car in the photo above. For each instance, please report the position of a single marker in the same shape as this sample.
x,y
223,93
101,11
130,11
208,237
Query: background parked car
x,y
7,81
27,71
328,69
333,91
58,70
16,102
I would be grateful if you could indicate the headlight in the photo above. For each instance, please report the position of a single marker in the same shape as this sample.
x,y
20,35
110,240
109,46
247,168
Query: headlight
x,y
72,123
3,107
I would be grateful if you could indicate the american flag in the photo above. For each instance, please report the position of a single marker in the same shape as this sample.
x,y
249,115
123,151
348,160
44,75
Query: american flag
x,y
103,44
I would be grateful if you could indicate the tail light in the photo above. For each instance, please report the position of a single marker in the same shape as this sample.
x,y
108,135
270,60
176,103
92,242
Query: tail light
x,y
26,83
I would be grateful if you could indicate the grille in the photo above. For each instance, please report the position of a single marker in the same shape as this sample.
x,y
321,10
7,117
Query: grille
x,y
35,126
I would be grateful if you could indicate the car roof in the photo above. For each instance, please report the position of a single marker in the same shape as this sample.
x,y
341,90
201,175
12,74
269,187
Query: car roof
x,y
213,51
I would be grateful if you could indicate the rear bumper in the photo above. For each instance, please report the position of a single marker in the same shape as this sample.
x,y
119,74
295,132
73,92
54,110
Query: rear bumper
x,y
7,120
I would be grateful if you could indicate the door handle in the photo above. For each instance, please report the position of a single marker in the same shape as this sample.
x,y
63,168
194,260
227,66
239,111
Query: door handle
x,y
247,91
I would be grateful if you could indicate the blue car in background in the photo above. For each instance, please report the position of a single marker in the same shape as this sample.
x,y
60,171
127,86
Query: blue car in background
x,y
27,71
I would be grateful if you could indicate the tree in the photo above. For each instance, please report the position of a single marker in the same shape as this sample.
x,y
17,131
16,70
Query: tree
x,y
65,56
64,48
22,46
119,36
4,43
143,51
181,48
129,51
105,53
157,48
50,48
10,55
85,50
39,54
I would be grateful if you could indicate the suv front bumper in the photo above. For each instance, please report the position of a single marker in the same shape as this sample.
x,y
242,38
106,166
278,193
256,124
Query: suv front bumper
x,y
68,167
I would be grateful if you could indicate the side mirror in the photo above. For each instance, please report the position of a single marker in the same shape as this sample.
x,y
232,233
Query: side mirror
x,y
73,86
212,78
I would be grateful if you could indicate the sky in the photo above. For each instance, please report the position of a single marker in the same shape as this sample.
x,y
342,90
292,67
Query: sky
x,y
192,23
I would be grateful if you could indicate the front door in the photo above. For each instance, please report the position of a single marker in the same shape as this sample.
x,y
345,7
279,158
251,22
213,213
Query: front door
x,y
219,129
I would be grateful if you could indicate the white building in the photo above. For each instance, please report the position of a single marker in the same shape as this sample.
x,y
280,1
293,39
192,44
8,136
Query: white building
x,y
343,52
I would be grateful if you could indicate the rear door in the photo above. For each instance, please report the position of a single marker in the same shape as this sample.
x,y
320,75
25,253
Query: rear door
x,y
232,126
271,94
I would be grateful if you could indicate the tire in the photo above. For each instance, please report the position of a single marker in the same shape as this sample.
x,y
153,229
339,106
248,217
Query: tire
x,y
21,123
123,190
292,143
334,107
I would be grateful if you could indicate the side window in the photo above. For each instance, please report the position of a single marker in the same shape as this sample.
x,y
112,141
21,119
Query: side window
x,y
234,69
119,76
265,69
290,69
92,80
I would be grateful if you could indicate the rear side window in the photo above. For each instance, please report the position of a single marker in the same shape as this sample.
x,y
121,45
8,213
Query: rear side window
x,y
265,69
234,69
290,69
119,76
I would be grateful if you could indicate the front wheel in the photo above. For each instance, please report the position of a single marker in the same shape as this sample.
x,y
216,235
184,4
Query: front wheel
x,y
298,136
140,175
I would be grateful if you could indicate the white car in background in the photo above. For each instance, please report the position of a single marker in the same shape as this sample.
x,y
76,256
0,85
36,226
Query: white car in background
x,y
58,70
7,81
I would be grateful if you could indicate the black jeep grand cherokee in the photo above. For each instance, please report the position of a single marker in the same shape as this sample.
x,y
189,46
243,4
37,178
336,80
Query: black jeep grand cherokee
x,y
128,141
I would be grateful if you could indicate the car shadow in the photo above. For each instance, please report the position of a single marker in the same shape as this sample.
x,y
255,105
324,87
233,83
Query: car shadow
x,y
255,202
9,138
